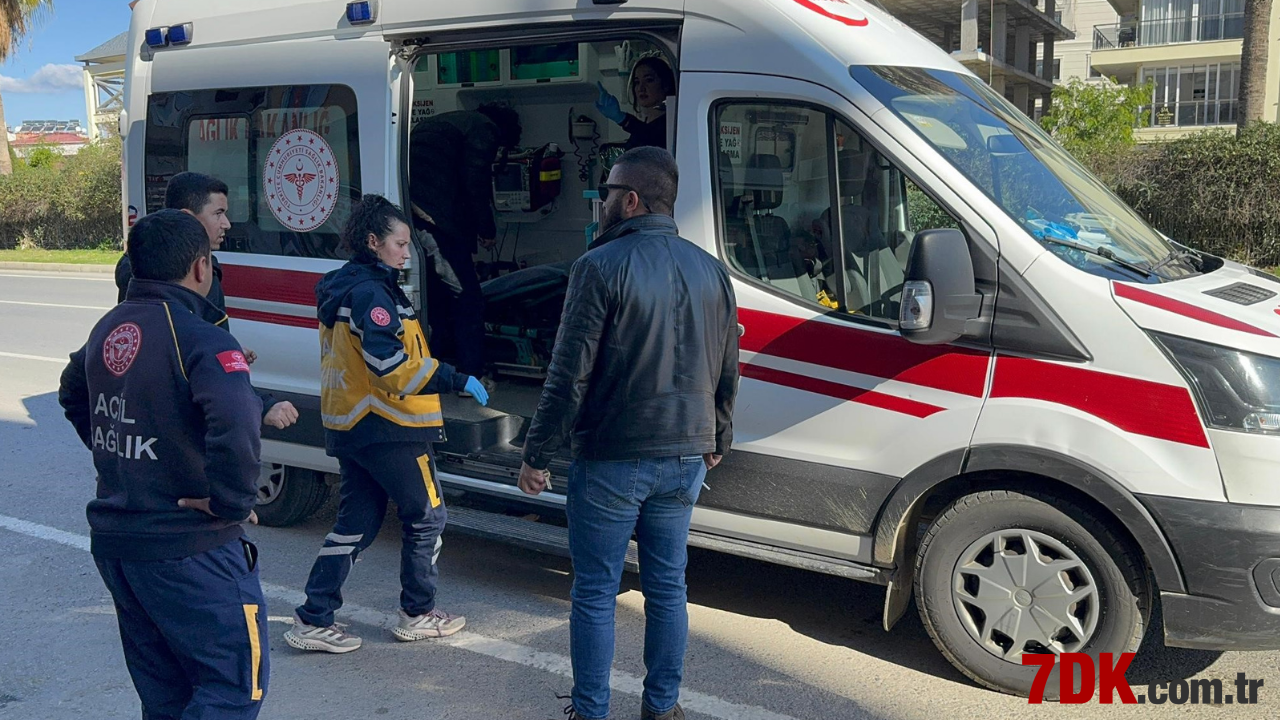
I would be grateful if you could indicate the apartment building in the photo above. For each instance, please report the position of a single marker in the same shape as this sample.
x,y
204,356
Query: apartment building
x,y
1189,50
1005,42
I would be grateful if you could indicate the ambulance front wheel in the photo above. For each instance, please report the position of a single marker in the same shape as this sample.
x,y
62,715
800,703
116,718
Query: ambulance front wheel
x,y
1001,574
289,495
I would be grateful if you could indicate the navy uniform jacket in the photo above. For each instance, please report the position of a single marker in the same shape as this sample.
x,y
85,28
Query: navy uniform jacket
x,y
124,274
161,395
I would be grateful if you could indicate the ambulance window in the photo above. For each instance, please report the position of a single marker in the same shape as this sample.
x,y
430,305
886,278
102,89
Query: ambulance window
x,y
843,245
289,156
774,192
219,147
880,212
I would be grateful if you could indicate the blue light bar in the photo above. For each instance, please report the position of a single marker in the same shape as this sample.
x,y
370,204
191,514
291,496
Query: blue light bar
x,y
360,12
156,38
180,34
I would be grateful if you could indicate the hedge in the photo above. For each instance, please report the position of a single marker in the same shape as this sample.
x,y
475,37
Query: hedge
x,y
66,203
1212,191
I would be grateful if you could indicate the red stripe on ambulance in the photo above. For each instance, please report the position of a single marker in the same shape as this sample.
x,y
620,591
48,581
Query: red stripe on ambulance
x,y
1141,407
843,347
842,392
294,287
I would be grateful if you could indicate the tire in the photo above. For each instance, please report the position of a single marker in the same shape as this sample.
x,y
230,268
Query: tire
x,y
289,495
1104,590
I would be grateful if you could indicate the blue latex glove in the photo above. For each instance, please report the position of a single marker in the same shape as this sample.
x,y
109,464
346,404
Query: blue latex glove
x,y
476,388
608,105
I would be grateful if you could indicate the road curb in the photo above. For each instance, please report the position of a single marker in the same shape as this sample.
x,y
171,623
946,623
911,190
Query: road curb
x,y
57,267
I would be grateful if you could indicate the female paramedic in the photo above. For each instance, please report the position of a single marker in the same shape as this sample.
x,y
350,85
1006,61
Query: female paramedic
x,y
381,410
651,83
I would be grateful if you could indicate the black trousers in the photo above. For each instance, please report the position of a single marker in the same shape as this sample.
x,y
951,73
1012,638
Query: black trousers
x,y
457,319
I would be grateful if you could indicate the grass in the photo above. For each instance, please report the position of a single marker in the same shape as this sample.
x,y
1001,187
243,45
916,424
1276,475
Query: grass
x,y
72,257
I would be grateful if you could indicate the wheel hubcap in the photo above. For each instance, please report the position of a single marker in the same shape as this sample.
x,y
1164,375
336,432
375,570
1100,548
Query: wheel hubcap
x,y
1021,591
270,483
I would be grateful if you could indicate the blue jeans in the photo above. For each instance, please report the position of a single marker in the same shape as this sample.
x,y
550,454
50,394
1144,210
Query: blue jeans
x,y
194,631
606,503
404,472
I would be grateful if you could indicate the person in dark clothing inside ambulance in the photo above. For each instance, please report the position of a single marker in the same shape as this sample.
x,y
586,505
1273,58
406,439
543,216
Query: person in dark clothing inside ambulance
x,y
651,83
451,159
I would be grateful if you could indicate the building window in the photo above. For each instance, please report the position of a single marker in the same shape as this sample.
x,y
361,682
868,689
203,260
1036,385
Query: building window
x,y
1193,95
1057,16
1057,68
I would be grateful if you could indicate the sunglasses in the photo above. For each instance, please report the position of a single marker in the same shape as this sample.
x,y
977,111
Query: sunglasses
x,y
605,188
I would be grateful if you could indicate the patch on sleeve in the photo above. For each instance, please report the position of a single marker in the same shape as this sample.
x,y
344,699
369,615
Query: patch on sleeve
x,y
380,316
233,361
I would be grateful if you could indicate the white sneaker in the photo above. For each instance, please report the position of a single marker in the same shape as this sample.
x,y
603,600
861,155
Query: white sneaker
x,y
435,624
321,639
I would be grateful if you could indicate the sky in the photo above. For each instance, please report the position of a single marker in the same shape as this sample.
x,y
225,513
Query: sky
x,y
42,80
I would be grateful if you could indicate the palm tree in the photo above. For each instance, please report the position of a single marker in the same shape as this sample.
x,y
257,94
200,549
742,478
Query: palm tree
x,y
1253,62
17,17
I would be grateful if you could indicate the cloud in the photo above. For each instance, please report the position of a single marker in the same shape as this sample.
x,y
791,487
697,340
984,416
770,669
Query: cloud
x,y
47,80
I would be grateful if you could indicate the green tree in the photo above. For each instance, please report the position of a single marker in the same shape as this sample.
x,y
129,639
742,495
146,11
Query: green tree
x,y
1089,117
43,156
17,17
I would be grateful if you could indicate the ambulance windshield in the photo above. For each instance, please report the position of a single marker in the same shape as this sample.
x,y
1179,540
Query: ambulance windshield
x,y
1026,173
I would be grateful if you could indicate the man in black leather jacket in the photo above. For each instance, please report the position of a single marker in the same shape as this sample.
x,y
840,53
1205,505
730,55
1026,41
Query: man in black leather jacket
x,y
643,376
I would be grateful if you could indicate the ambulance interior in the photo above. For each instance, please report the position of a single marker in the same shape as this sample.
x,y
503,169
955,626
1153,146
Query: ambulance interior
x,y
545,211
775,207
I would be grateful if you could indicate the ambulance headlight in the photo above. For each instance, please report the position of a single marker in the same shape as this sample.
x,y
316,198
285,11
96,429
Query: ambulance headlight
x,y
1235,390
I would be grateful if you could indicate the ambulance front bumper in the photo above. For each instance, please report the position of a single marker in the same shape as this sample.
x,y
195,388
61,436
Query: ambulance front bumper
x,y
1230,559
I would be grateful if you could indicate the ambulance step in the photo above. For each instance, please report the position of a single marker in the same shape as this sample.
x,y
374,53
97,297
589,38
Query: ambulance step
x,y
791,558
543,537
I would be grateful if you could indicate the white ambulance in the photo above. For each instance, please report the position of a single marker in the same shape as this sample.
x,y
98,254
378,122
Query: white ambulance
x,y
969,372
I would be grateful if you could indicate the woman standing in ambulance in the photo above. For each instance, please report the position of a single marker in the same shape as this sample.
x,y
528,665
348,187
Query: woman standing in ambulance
x,y
380,403
652,82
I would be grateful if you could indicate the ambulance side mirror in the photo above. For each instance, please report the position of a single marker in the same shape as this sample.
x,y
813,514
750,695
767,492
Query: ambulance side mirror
x,y
938,297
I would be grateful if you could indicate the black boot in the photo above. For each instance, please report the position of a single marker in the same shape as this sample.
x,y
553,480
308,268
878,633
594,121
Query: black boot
x,y
675,713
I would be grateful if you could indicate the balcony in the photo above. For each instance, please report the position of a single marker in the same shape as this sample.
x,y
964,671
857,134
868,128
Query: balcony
x,y
1189,114
1146,33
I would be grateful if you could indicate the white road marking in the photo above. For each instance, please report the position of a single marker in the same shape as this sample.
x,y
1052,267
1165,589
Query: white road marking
x,y
55,305
20,356
52,276
554,663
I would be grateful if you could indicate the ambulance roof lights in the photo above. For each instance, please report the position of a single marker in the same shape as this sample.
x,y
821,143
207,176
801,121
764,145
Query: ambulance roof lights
x,y
609,2
360,12
180,34
157,38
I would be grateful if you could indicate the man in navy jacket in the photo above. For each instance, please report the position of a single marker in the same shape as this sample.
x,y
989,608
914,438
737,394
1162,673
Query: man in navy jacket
x,y
161,395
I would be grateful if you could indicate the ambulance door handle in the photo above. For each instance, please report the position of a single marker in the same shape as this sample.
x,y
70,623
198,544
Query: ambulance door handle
x,y
741,330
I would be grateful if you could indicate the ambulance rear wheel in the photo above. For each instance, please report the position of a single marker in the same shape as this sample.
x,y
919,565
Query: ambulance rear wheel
x,y
1001,574
288,495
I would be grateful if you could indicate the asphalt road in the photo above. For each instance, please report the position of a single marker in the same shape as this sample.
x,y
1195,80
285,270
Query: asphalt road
x,y
766,643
